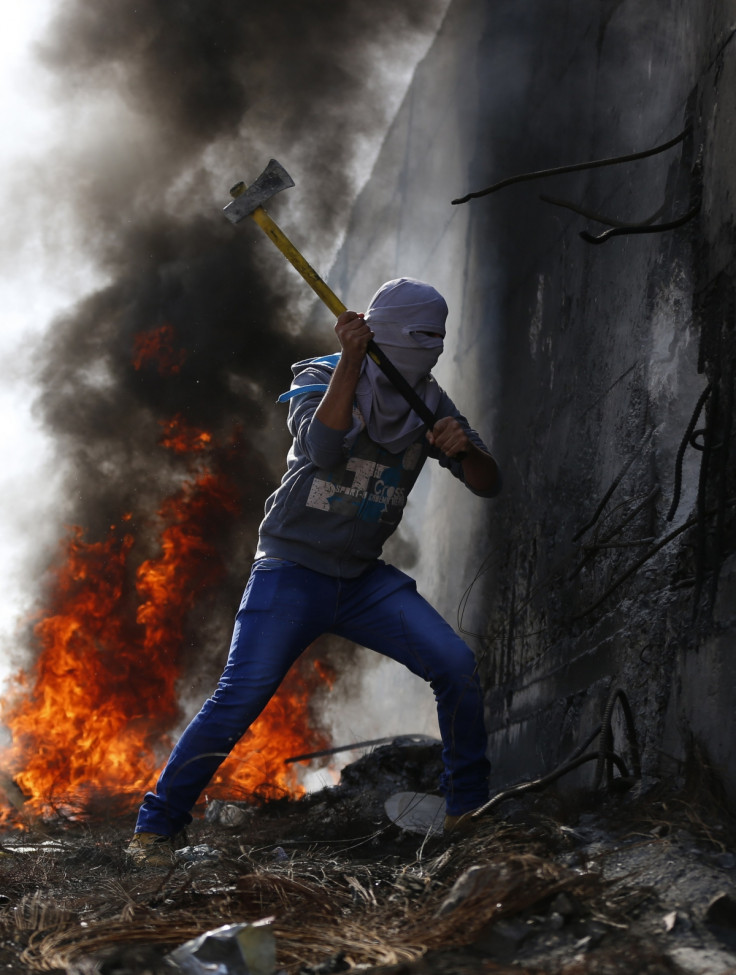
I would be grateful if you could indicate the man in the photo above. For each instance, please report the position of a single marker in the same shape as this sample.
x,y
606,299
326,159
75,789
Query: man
x,y
358,449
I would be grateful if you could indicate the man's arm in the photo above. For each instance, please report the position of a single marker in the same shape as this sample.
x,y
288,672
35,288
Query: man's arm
x,y
479,468
336,409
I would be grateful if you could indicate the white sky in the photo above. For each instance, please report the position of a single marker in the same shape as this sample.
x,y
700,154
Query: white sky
x,y
28,299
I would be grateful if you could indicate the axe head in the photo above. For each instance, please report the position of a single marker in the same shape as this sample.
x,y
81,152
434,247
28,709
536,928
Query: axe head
x,y
272,180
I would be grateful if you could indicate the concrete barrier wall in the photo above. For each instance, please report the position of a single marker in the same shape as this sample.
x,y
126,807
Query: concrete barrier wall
x,y
582,364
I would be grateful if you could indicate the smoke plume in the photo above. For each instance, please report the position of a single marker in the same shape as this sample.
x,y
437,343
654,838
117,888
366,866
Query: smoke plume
x,y
189,336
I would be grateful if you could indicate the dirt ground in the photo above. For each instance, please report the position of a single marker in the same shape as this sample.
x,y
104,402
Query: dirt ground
x,y
643,881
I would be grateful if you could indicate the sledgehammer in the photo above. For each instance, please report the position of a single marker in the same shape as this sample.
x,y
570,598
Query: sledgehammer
x,y
248,202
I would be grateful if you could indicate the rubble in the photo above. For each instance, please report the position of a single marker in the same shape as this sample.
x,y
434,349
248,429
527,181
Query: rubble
x,y
233,949
608,883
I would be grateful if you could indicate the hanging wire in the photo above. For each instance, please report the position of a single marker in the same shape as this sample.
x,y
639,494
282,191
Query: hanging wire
x,y
687,439
616,481
574,168
604,757
721,502
639,228
702,514
598,217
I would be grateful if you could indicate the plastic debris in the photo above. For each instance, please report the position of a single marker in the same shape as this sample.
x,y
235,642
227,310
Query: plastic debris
x,y
197,854
233,949
721,911
416,812
227,813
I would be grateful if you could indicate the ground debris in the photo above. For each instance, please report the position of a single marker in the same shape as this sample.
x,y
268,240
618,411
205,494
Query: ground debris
x,y
643,884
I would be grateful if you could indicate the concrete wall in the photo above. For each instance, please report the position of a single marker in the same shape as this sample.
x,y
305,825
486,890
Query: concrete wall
x,y
581,364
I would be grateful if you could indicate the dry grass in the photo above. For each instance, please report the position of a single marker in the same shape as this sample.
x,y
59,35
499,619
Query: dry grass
x,y
85,900
77,905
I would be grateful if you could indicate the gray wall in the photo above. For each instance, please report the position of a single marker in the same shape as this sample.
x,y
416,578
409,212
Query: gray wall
x,y
581,364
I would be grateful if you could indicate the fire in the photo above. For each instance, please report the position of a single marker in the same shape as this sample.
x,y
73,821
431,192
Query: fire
x,y
258,762
183,439
93,717
157,348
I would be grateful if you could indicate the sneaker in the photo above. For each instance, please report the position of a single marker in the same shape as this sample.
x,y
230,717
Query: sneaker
x,y
462,824
151,850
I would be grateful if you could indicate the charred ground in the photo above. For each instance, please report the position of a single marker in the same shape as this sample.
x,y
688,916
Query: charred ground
x,y
602,883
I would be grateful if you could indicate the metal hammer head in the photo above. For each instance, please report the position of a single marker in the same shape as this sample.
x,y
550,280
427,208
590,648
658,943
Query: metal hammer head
x,y
272,180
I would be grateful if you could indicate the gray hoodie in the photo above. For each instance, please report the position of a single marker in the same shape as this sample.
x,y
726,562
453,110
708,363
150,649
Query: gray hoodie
x,y
342,494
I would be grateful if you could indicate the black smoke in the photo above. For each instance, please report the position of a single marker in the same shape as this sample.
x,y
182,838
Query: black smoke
x,y
201,93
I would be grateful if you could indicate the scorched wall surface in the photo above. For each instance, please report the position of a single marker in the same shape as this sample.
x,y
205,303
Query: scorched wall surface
x,y
607,561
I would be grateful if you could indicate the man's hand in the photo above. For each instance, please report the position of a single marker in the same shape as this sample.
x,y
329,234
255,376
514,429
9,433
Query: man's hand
x,y
449,437
353,335
336,408
479,468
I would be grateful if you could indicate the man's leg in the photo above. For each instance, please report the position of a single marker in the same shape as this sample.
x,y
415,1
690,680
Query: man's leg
x,y
284,608
383,611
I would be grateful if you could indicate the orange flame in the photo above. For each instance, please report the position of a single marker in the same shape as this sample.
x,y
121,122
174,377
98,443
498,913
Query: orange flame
x,y
93,716
157,348
183,439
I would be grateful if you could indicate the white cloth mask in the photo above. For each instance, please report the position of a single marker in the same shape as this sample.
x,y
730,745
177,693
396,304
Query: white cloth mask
x,y
408,320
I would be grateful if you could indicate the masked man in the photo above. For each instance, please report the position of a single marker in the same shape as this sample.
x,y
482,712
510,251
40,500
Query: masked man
x,y
358,449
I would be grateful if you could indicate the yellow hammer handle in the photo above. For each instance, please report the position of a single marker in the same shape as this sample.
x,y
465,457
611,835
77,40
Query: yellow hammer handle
x,y
330,299
292,255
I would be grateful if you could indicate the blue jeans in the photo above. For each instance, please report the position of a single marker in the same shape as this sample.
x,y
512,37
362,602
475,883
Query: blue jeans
x,y
285,608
